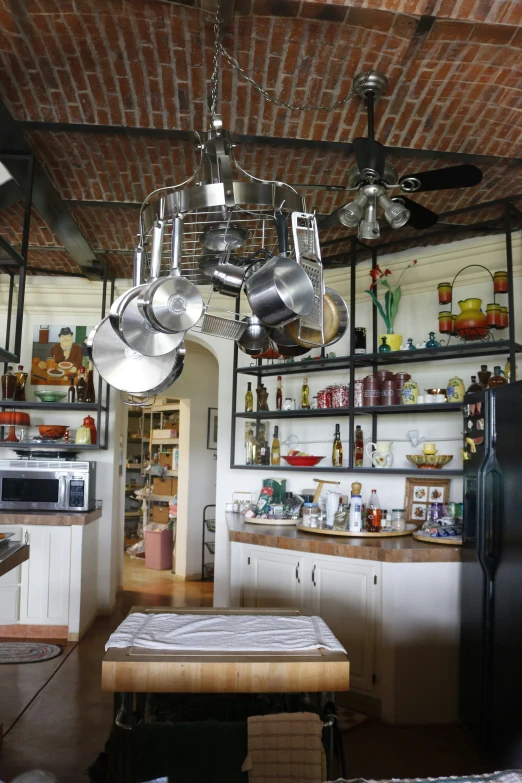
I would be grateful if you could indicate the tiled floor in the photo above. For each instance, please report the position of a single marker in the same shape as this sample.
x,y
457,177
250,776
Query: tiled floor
x,y
57,718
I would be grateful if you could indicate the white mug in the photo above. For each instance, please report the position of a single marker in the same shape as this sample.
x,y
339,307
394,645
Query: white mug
x,y
439,398
420,400
429,398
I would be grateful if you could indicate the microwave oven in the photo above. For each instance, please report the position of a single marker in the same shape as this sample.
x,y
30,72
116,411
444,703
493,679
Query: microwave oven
x,y
47,485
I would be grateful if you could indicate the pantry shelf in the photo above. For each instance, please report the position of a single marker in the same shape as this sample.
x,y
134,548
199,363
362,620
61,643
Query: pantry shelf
x,y
319,413
349,471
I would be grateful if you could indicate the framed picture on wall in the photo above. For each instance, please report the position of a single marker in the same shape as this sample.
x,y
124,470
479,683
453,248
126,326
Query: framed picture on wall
x,y
420,493
212,428
58,352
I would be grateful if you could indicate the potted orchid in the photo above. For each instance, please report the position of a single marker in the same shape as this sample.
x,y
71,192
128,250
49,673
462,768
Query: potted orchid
x,y
392,298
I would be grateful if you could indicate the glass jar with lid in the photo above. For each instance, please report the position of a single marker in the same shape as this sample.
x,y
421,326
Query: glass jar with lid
x,y
398,519
310,510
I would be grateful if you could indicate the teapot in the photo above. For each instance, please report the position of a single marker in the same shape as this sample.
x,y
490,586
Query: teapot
x,y
380,453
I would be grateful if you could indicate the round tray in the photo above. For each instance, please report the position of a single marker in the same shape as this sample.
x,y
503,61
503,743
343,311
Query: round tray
x,y
362,534
432,540
253,521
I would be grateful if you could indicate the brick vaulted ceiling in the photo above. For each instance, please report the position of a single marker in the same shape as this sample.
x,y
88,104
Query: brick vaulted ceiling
x,y
102,90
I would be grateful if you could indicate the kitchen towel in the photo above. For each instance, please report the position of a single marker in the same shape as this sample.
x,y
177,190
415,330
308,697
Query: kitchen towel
x,y
285,748
224,633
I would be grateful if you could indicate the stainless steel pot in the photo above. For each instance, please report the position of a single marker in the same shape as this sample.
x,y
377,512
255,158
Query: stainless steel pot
x,y
228,279
344,317
280,291
284,344
130,324
128,370
254,339
172,304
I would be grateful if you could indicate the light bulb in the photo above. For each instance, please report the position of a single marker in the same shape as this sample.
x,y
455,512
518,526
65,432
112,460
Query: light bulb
x,y
351,214
395,213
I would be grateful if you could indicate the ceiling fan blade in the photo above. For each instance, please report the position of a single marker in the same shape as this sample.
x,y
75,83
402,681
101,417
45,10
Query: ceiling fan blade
x,y
369,154
464,176
421,217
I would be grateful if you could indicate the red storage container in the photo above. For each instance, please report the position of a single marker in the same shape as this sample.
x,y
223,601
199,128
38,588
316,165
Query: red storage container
x,y
158,549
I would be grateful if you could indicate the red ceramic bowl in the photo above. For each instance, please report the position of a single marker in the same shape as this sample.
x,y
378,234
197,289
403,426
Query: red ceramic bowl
x,y
303,462
52,431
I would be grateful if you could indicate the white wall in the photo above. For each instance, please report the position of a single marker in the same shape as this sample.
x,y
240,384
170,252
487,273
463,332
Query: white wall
x,y
198,383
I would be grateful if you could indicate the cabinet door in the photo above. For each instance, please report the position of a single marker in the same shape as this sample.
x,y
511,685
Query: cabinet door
x,y
45,576
273,579
345,595
10,584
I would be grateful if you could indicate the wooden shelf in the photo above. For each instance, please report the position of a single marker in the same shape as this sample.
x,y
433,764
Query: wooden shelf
x,y
164,441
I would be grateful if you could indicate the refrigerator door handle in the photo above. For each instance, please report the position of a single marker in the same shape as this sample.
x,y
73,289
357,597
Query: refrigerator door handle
x,y
491,540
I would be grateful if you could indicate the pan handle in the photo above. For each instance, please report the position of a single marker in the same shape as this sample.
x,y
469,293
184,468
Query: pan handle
x,y
177,245
157,247
282,233
132,401
139,265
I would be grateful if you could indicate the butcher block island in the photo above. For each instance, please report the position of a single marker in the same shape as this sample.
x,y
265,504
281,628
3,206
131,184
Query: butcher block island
x,y
52,595
393,603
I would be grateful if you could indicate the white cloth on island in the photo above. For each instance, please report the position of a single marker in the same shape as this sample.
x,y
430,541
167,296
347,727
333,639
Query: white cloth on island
x,y
224,633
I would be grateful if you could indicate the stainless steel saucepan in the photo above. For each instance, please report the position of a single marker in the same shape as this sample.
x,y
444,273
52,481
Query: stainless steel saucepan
x,y
280,291
228,278
172,304
125,316
284,344
254,339
128,370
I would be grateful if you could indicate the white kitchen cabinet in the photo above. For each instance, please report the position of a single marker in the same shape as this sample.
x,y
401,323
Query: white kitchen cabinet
x,y
45,576
346,595
273,578
10,584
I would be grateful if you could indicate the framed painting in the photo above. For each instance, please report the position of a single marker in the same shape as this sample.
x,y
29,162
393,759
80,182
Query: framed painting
x,y
420,493
212,428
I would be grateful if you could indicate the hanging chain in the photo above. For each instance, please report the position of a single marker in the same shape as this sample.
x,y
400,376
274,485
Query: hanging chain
x,y
219,49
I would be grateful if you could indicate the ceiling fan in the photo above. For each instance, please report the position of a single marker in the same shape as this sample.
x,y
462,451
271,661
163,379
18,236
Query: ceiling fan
x,y
373,176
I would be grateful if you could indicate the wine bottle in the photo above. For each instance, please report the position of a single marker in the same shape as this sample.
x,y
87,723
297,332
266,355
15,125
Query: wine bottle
x,y
276,448
71,391
373,513
8,384
81,385
251,448
337,450
305,392
358,447
279,394
90,394
21,380
249,399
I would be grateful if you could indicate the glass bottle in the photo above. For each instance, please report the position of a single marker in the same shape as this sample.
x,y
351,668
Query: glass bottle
x,y
81,385
498,378
251,448
262,398
337,449
305,391
262,446
276,448
373,513
8,384
410,347
249,399
358,447
484,375
279,394
432,342
474,387
90,394
384,347
21,380
71,391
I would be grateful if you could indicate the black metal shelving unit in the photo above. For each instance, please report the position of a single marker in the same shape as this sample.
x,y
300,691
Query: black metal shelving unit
x,y
349,364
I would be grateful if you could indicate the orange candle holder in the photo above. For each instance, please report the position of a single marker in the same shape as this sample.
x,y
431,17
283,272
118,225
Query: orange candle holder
x,y
444,291
504,318
493,315
446,322
500,283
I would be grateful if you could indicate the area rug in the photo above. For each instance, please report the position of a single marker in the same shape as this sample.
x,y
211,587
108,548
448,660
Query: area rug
x,y
349,719
508,776
28,652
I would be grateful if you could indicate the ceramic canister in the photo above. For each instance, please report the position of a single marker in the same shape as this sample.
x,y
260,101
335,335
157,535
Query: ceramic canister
x,y
410,393
455,390
400,379
383,375
390,394
372,391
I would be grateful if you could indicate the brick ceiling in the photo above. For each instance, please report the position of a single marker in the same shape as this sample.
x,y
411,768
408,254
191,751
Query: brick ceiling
x,y
455,86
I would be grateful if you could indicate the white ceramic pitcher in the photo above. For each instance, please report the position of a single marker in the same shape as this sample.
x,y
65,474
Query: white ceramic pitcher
x,y
380,453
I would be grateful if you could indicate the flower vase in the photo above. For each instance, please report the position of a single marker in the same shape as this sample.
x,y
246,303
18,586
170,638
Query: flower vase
x,y
393,340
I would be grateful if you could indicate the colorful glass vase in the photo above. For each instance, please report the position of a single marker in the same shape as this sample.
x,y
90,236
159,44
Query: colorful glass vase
x,y
432,342
410,346
471,323
384,347
497,379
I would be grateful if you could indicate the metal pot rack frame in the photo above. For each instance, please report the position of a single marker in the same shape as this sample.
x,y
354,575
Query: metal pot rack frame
x,y
16,267
374,359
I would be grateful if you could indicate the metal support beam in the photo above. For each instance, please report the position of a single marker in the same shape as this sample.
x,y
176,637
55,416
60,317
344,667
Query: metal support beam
x,y
14,149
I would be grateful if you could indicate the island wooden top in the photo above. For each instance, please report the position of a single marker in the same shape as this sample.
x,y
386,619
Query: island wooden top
x,y
386,550
12,556
52,518
129,669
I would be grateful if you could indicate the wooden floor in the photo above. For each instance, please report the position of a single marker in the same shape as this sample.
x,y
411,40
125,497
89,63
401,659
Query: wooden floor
x,y
56,717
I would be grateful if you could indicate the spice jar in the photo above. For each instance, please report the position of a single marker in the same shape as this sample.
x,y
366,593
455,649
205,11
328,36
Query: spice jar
x,y
321,399
500,283
493,315
504,318
398,519
445,322
444,291
358,393
340,397
372,391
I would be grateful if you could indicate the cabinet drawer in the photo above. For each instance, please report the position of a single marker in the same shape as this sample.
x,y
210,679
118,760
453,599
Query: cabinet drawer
x,y
9,604
13,577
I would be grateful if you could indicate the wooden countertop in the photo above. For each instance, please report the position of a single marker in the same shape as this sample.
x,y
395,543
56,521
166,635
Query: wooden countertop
x,y
12,556
389,550
54,518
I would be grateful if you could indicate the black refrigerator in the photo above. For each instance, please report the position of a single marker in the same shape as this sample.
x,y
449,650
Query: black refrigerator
x,y
490,685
